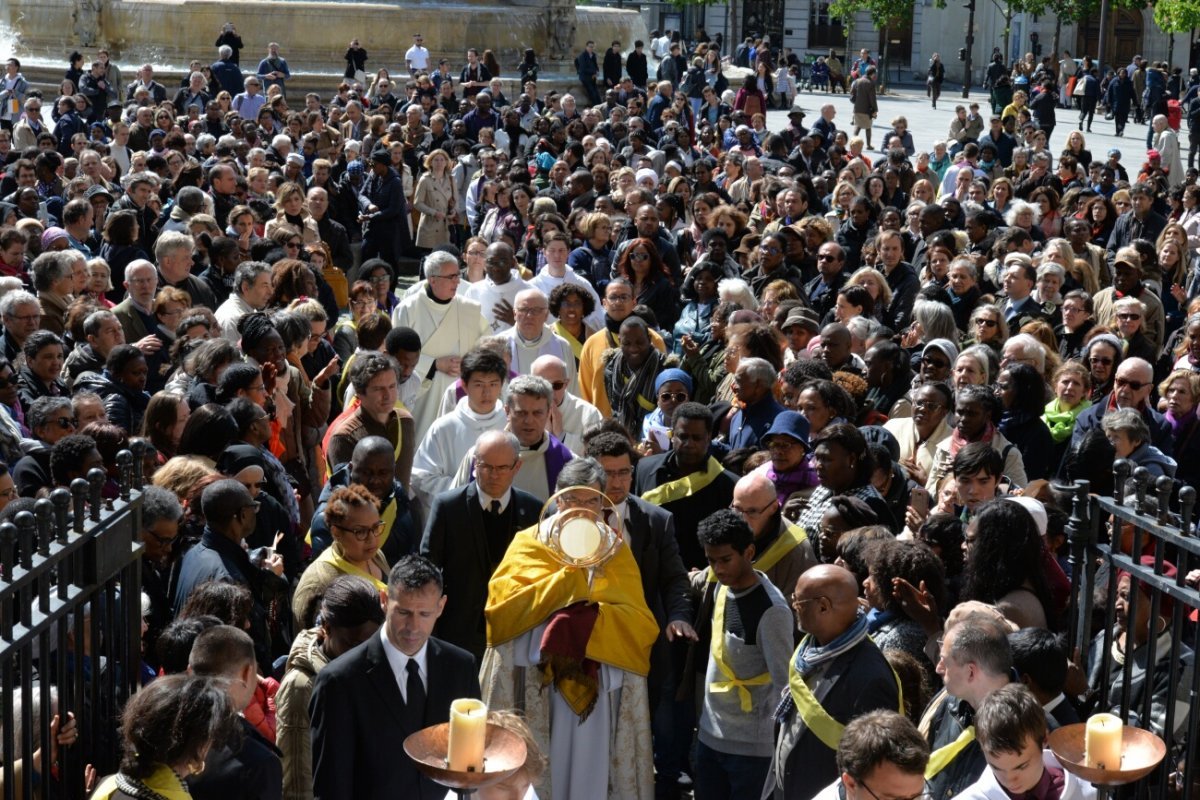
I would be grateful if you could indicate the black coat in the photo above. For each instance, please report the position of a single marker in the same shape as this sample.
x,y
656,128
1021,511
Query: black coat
x,y
455,540
636,68
254,771
359,722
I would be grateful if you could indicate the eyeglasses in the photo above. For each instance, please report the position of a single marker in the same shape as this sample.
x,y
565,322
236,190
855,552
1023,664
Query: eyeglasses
x,y
800,601
619,298
364,533
623,473
494,469
825,257
926,361
1128,317
987,323
926,795
296,246
673,397
1137,386
27,317
452,277
66,423
927,405
558,386
1102,361
530,312
163,540
753,512
380,280
639,256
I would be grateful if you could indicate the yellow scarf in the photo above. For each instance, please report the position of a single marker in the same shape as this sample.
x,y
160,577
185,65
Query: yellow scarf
x,y
576,345
731,681
788,540
815,717
332,555
163,782
531,584
685,486
942,757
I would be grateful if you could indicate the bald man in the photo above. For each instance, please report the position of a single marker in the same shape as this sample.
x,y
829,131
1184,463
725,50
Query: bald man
x,y
781,548
569,415
836,675
834,350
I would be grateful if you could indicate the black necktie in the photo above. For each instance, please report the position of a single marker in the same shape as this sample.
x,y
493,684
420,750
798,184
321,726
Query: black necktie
x,y
494,508
415,696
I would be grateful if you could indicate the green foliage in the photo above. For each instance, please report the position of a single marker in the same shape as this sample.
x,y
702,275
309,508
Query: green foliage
x,y
884,13
1177,16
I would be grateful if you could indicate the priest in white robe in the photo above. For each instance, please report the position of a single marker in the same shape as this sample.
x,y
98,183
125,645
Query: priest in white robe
x,y
448,325
530,339
570,415
557,247
451,437
497,293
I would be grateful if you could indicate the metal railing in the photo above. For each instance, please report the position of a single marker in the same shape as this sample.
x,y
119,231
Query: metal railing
x,y
70,628
1147,520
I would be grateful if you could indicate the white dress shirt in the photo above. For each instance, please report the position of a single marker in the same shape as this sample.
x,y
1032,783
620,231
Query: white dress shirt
x,y
399,663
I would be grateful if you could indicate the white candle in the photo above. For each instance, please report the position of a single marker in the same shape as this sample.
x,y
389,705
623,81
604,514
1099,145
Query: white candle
x,y
1102,742
468,730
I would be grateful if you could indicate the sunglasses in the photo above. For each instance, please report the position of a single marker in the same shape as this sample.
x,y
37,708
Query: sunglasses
x,y
674,397
640,256
1137,386
1128,317
987,323
1100,360
558,386
66,423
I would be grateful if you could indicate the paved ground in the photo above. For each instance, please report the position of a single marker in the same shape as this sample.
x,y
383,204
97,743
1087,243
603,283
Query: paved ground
x,y
928,124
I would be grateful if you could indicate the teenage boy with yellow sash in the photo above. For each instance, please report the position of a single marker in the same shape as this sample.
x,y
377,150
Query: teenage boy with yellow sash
x,y
974,661
747,665
836,674
687,481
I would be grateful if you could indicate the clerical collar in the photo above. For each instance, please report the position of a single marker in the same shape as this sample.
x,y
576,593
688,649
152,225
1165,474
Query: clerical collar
x,y
533,448
429,293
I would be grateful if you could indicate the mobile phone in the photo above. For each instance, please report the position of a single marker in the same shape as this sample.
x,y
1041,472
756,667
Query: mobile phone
x,y
919,500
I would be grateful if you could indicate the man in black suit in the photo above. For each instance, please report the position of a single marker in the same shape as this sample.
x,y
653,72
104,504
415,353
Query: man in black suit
x,y
367,701
469,530
252,769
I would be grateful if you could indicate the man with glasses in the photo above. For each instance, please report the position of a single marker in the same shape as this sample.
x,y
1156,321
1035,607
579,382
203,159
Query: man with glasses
x,y
839,661
448,326
533,601
881,757
782,550
417,56
22,315
468,532
230,514
530,339
50,419
618,306
752,384
1127,282
31,125
832,276
569,415
1131,389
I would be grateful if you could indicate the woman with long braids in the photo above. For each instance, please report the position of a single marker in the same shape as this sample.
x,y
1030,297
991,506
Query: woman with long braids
x,y
1005,565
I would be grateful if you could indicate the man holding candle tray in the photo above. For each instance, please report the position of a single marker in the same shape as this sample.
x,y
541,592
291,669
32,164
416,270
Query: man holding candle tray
x,y
368,701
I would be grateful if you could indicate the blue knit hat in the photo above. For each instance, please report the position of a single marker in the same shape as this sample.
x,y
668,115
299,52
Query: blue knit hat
x,y
673,374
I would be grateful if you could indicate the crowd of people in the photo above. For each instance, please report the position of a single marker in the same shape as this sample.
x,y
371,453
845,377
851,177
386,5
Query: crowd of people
x,y
827,392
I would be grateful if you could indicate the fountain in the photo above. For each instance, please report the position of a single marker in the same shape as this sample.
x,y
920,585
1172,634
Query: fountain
x,y
312,35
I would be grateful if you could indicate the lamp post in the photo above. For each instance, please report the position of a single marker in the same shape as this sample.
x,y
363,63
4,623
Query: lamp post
x,y
970,6
1102,48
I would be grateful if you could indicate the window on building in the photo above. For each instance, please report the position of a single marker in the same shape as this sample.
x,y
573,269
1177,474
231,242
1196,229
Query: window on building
x,y
824,30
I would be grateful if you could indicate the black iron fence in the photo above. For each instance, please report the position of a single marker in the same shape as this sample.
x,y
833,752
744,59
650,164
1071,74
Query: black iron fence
x,y
1147,531
70,631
